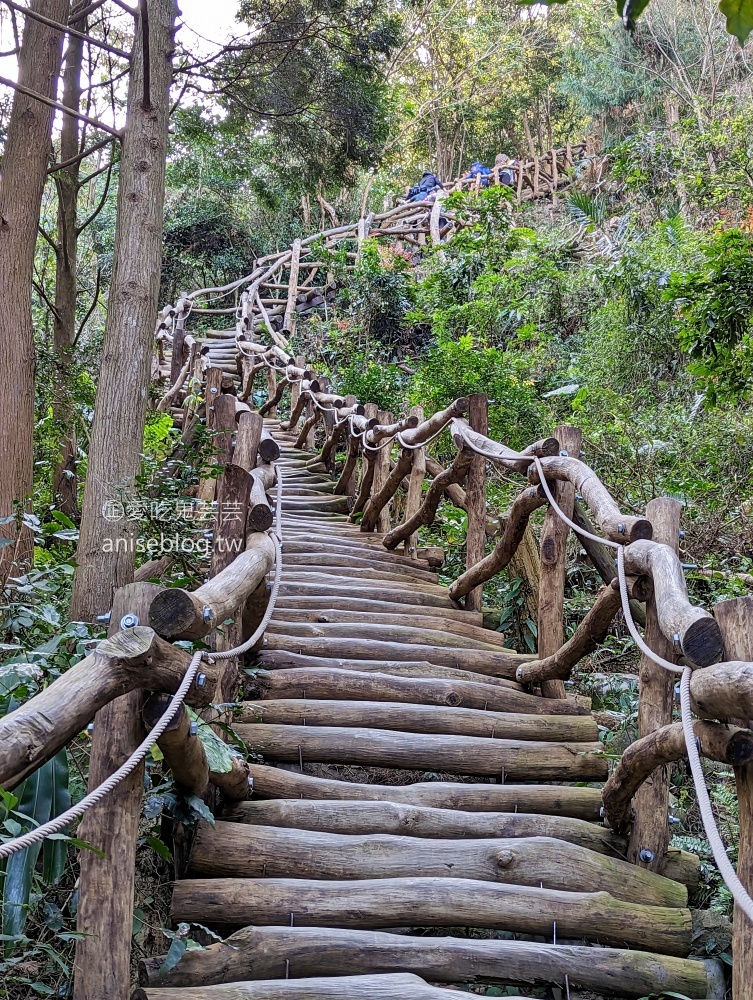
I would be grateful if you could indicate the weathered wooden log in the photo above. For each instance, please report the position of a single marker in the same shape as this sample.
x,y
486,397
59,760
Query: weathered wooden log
x,y
307,427
181,748
478,660
359,559
517,522
387,428
328,400
247,438
727,744
615,525
696,632
475,495
382,495
260,516
129,660
353,817
587,637
376,987
650,833
428,509
551,800
455,493
183,614
601,555
723,691
323,683
303,544
359,588
395,581
425,429
436,622
269,449
153,569
261,952
520,760
406,634
224,903
299,404
271,404
419,718
500,453
235,850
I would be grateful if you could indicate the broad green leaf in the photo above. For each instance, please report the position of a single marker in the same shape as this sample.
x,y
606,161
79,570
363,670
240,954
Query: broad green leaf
x,y
219,757
175,952
739,14
55,852
36,801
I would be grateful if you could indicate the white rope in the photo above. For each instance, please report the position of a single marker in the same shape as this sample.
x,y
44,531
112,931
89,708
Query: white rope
x,y
138,756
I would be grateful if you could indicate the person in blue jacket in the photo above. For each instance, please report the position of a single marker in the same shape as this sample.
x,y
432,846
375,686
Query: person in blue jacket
x,y
429,182
479,170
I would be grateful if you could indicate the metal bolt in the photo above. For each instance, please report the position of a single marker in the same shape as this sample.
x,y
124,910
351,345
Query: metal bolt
x,y
676,641
211,408
582,453
250,783
621,528
646,856
689,566
201,680
90,728
601,813
265,641
213,389
519,674
564,453
194,728
206,614
673,820
682,535
129,621
105,618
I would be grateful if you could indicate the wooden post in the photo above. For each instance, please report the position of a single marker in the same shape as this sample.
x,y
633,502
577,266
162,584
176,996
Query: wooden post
x,y
650,834
735,619
328,417
105,908
519,187
291,316
415,486
176,359
295,390
551,627
271,390
381,474
475,498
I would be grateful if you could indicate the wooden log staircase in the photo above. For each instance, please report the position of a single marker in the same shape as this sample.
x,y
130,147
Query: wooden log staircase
x,y
420,807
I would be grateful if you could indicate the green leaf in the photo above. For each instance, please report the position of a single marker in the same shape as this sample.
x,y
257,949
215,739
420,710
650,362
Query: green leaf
x,y
63,519
630,11
175,952
160,847
200,807
35,800
55,852
739,14
218,755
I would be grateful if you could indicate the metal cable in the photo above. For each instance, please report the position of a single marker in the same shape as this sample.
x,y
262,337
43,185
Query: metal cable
x,y
138,756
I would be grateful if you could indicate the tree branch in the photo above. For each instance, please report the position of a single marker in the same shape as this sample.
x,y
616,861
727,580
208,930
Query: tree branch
x,y
81,156
64,29
91,308
101,205
41,293
59,107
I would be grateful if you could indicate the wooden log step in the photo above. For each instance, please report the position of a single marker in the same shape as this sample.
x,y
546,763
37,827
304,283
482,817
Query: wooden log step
x,y
377,576
341,560
472,755
407,635
353,817
313,543
264,952
378,987
437,623
431,902
284,660
338,588
421,719
480,661
327,682
550,800
236,850
315,604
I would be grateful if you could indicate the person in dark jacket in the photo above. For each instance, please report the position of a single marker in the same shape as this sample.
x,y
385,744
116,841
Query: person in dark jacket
x,y
429,182
479,170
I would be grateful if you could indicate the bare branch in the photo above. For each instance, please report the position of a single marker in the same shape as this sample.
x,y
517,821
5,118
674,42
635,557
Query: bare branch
x,y
64,29
91,308
81,156
59,107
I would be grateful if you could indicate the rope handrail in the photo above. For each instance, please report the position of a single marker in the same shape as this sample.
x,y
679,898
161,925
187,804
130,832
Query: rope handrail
x,y
60,822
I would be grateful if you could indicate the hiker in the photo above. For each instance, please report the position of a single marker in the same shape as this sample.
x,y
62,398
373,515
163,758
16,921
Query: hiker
x,y
505,166
479,170
429,183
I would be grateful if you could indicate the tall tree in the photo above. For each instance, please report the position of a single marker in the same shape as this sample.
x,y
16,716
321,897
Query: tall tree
x,y
106,556
24,170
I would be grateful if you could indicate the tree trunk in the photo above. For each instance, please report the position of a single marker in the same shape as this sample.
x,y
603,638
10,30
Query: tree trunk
x,y
106,556
23,178
64,480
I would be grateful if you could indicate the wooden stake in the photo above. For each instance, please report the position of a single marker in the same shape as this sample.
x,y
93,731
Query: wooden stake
x,y
475,496
105,909
734,618
650,835
551,629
